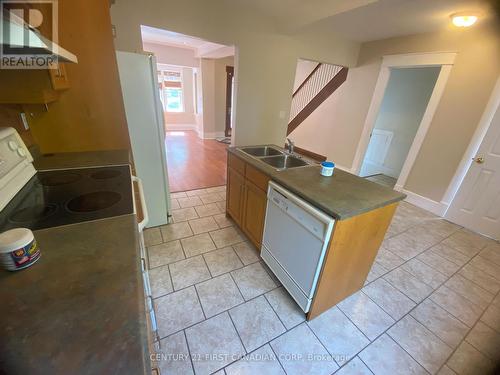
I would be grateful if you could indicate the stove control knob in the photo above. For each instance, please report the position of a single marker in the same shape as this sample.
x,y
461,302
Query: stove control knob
x,y
21,152
13,145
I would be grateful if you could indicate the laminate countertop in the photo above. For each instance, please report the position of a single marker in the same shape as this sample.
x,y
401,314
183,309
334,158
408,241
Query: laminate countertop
x,y
80,308
342,195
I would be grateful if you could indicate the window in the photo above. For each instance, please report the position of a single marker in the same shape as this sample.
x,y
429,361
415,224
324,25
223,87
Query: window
x,y
171,82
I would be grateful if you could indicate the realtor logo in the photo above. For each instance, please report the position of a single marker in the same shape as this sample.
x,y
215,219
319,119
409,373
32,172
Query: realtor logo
x,y
28,31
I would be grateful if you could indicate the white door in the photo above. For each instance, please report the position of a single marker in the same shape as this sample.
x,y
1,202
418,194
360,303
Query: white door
x,y
477,203
380,141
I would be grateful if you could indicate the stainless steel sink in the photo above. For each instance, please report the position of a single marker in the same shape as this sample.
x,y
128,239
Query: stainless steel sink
x,y
284,162
261,151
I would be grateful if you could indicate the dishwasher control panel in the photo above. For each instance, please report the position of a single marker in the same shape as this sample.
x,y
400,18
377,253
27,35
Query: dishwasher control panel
x,y
299,214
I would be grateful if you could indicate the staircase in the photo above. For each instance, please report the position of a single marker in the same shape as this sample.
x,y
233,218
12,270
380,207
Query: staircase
x,y
316,88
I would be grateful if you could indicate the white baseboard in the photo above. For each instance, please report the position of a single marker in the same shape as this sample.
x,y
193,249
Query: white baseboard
x,y
180,127
437,208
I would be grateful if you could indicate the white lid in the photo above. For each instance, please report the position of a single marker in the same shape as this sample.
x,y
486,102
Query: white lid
x,y
15,239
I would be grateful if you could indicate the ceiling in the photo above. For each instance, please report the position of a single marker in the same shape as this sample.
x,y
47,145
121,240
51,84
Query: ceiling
x,y
391,18
201,47
362,20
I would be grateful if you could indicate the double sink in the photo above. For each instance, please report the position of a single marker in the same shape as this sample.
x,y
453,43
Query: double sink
x,y
274,157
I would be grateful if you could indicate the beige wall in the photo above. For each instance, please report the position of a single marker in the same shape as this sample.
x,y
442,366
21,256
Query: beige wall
x,y
265,61
172,55
304,68
464,99
208,95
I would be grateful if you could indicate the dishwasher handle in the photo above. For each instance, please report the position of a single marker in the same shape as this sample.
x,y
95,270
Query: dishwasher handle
x,y
142,224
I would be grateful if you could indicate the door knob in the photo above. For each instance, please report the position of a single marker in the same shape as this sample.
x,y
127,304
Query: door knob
x,y
479,160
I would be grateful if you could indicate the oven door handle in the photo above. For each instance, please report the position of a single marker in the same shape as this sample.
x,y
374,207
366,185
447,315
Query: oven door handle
x,y
145,220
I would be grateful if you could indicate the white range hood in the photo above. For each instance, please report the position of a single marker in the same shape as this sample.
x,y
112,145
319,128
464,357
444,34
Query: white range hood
x,y
17,38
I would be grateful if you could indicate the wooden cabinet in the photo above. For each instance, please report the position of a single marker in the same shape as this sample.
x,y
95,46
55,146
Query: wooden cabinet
x,y
32,86
235,192
247,198
254,212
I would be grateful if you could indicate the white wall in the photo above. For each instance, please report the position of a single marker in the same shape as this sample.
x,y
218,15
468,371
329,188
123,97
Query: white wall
x,y
265,59
405,101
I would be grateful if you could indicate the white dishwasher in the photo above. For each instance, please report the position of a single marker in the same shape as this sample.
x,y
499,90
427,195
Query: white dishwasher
x,y
296,237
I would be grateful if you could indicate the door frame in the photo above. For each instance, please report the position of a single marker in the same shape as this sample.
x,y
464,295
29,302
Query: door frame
x,y
472,149
412,60
229,99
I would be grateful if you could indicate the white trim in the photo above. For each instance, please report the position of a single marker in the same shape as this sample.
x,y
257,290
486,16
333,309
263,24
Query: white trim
x,y
180,127
419,59
474,145
436,208
445,59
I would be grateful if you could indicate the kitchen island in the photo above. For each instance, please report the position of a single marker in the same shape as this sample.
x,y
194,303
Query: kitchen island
x,y
362,211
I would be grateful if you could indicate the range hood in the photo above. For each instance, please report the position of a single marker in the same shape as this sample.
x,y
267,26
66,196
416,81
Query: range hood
x,y
34,40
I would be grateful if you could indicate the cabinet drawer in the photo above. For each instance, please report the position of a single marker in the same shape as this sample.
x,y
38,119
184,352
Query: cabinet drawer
x,y
236,163
257,177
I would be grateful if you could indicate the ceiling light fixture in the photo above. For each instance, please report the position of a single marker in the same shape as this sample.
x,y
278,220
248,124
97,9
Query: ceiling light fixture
x,y
464,19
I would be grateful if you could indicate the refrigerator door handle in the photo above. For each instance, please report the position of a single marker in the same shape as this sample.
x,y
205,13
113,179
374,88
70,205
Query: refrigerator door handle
x,y
145,220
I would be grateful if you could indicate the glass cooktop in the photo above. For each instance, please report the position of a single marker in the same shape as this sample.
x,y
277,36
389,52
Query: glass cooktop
x,y
54,198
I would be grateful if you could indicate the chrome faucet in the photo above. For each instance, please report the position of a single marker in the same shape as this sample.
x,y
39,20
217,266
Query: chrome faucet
x,y
290,145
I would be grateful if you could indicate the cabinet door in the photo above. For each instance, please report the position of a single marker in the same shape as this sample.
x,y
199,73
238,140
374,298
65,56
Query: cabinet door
x,y
235,187
254,213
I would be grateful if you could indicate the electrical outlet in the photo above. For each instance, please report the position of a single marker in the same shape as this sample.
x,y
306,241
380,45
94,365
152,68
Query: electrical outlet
x,y
25,121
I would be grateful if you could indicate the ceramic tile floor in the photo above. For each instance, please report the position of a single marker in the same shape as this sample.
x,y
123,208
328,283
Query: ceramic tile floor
x,y
431,303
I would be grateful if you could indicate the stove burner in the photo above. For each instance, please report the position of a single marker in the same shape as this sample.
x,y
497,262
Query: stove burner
x,y
96,201
105,174
62,178
30,214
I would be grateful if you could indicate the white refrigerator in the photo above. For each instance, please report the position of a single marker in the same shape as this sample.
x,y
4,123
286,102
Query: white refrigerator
x,y
143,109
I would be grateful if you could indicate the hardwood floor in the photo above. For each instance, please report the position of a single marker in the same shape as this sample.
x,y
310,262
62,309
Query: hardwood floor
x,y
194,163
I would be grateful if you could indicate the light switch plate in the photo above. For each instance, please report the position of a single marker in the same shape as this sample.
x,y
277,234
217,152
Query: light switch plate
x,y
25,121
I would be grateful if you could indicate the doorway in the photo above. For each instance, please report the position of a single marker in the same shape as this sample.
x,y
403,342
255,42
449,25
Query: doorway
x,y
476,204
401,111
441,64
192,81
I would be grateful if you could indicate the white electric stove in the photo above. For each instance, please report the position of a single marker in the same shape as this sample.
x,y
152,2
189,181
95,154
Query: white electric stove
x,y
45,199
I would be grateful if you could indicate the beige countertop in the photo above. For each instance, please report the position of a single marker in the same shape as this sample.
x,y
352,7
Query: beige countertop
x,y
342,195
